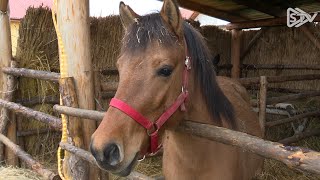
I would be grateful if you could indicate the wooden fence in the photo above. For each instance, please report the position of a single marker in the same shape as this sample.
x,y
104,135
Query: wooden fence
x,y
295,157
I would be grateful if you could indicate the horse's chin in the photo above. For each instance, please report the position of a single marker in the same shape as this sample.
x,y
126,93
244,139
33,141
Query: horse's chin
x,y
127,168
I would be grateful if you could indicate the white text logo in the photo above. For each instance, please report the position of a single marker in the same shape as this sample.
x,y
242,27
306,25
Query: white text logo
x,y
297,17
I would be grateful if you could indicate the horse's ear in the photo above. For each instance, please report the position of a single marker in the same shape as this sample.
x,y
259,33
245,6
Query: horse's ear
x,y
171,15
127,15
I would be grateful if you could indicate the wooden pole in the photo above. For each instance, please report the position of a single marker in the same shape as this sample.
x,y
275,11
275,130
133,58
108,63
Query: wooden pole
x,y
10,156
5,58
294,118
38,100
263,103
36,166
76,112
73,23
23,72
303,160
74,167
36,132
235,53
52,121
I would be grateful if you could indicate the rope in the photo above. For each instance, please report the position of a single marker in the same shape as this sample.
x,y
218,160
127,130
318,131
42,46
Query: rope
x,y
64,73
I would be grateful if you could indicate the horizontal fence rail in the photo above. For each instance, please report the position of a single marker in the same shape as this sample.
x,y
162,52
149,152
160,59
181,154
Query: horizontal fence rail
x,y
301,159
36,166
30,73
291,97
52,121
294,118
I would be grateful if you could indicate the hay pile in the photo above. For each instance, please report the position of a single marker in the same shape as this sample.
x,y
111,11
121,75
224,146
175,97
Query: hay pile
x,y
283,45
38,49
11,173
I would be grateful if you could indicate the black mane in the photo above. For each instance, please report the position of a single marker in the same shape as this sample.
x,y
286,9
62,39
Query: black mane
x,y
151,28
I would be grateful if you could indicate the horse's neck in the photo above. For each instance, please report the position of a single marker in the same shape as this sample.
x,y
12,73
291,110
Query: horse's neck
x,y
197,110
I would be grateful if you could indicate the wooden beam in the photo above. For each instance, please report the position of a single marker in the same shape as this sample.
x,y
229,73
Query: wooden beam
x,y
281,21
39,100
205,9
262,6
303,160
35,166
74,25
30,73
235,53
263,102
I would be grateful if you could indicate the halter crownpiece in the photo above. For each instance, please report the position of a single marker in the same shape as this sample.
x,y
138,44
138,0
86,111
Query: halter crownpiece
x,y
154,127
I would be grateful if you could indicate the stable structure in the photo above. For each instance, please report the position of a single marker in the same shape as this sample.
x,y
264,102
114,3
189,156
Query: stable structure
x,y
77,80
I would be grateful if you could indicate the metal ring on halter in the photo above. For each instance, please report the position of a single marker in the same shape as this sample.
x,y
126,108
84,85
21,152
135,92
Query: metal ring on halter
x,y
156,129
144,156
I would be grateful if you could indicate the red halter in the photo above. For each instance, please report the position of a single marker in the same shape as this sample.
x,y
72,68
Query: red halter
x,y
153,127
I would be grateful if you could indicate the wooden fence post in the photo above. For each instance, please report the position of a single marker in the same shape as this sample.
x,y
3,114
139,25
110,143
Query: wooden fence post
x,y
235,53
73,24
263,102
5,58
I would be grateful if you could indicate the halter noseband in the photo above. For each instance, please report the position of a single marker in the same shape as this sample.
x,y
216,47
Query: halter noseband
x,y
153,127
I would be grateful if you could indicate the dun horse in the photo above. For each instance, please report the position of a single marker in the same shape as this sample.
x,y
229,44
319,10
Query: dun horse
x,y
165,78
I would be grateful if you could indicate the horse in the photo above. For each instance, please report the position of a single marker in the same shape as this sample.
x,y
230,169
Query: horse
x,y
165,78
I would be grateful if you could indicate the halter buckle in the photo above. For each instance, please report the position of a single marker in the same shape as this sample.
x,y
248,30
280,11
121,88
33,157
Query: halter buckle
x,y
152,131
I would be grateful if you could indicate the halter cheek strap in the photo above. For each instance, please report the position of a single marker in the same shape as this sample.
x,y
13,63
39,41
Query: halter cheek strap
x,y
153,127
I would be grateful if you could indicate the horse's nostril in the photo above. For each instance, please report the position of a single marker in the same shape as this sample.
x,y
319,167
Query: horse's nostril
x,y
112,154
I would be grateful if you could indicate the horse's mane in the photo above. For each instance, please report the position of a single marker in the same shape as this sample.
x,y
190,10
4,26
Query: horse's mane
x,y
151,28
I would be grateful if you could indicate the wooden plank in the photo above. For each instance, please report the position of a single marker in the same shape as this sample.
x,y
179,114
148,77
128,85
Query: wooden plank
x,y
263,103
281,21
39,100
36,166
292,119
235,53
52,121
30,73
73,23
300,159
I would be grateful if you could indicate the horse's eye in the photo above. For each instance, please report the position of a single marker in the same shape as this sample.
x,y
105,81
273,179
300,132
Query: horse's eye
x,y
165,71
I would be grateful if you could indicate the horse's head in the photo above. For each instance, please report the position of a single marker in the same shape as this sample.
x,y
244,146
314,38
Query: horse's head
x,y
151,68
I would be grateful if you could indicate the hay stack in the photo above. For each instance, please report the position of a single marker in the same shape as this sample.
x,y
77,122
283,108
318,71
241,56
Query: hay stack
x,y
11,173
38,49
283,45
219,42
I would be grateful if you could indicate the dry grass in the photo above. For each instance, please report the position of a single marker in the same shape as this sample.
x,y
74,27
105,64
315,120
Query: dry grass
x,y
11,173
